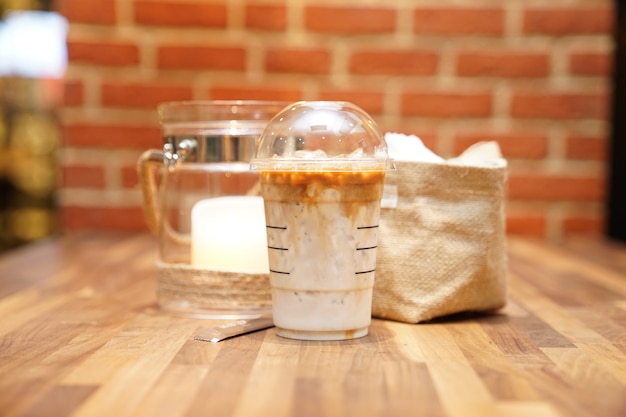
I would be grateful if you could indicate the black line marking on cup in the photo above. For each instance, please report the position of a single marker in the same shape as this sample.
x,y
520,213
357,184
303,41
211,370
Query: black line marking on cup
x,y
367,248
367,227
364,272
277,227
280,272
277,248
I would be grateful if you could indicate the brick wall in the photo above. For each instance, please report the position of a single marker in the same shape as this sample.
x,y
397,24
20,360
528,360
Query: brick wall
x,y
535,76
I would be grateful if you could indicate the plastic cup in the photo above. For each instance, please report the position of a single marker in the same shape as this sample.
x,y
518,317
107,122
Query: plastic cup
x,y
322,167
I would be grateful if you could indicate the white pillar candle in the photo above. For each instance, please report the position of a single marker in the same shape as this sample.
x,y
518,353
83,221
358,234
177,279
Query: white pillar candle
x,y
228,234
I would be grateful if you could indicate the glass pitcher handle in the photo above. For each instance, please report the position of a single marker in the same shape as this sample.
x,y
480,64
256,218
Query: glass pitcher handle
x,y
147,167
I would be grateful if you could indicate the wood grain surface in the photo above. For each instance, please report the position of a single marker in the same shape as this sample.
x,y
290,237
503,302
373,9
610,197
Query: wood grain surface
x,y
81,335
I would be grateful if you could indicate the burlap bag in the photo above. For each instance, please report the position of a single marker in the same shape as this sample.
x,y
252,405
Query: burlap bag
x,y
442,249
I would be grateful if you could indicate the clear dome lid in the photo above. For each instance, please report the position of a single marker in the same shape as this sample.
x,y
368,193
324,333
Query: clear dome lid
x,y
321,135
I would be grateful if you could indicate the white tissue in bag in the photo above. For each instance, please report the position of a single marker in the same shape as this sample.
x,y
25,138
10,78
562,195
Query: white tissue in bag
x,y
403,147
410,148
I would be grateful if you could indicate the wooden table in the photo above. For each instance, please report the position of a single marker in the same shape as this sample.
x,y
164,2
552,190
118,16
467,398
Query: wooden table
x,y
80,335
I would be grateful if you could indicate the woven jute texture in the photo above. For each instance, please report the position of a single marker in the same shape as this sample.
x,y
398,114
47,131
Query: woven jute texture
x,y
201,287
442,250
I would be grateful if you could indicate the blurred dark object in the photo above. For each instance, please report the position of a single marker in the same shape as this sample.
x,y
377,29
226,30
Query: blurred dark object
x,y
617,177
29,138
32,62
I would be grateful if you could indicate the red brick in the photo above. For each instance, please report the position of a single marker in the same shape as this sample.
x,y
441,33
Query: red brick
x,y
103,53
129,175
102,218
100,12
74,94
586,148
555,187
255,92
390,62
526,224
590,63
197,181
459,21
503,64
464,28
189,13
111,136
83,176
142,95
429,139
564,21
53,89
202,57
446,104
307,61
349,20
512,145
266,16
555,105
583,224
370,101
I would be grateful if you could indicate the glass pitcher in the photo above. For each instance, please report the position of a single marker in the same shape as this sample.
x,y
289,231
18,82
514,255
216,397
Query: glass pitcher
x,y
202,201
